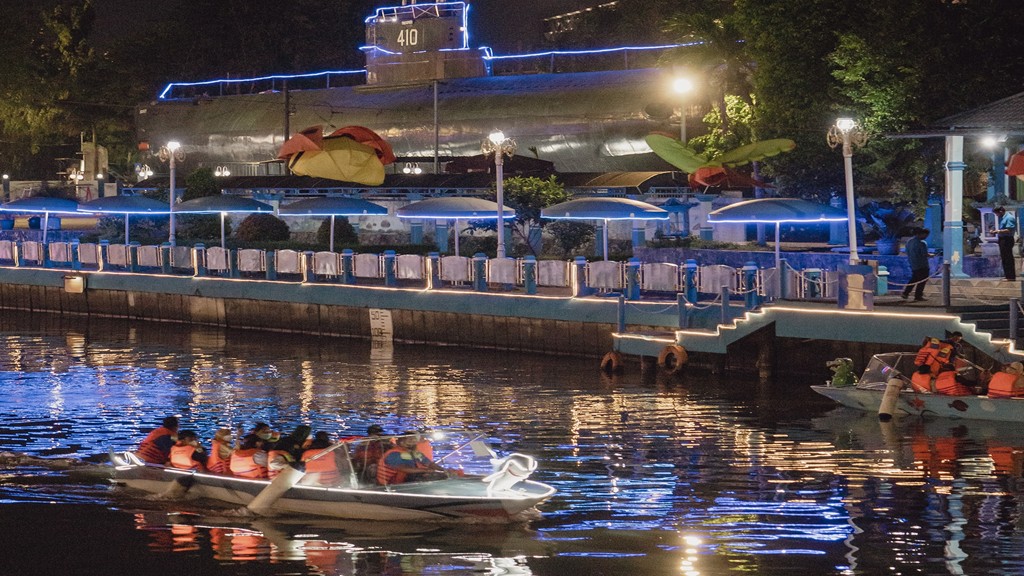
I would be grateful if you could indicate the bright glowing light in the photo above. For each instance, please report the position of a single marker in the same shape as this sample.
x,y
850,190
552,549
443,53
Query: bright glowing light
x,y
173,145
989,142
496,137
682,85
7,177
845,124
437,435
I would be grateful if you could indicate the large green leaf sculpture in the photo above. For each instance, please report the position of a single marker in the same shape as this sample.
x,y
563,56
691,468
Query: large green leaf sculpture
x,y
705,171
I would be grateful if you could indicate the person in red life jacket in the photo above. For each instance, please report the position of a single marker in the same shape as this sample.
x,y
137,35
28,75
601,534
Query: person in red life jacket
x,y
286,450
219,458
187,453
950,383
367,453
156,447
1008,382
921,380
403,463
250,460
331,469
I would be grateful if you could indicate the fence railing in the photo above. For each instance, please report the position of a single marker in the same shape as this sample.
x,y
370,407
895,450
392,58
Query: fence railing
x,y
633,279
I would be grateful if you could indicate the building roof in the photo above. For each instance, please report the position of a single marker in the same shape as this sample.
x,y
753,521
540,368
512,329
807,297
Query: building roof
x,y
1002,117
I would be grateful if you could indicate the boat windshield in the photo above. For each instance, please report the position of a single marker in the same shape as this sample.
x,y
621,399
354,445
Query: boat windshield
x,y
882,367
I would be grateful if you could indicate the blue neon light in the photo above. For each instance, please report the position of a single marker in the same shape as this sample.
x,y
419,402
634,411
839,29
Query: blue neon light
x,y
594,51
413,9
173,85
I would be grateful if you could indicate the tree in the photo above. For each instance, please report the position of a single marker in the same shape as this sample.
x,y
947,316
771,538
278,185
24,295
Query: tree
x,y
528,195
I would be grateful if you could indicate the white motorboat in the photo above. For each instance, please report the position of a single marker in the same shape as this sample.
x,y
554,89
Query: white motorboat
x,y
868,392
505,495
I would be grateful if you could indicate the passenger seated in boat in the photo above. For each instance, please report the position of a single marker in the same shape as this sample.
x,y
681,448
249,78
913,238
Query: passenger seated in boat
x,y
328,470
921,380
367,453
1008,382
156,447
250,460
187,453
403,463
219,458
950,383
935,354
286,450
265,432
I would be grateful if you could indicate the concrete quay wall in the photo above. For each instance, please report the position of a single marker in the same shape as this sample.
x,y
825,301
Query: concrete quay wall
x,y
553,325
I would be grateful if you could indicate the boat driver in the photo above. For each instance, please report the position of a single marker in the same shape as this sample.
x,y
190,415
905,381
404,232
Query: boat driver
x,y
403,463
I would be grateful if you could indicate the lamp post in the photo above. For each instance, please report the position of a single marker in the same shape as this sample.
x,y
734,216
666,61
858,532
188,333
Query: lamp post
x,y
501,146
682,86
847,132
170,154
7,187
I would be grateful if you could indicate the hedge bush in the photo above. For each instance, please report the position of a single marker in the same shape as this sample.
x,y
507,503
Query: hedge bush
x,y
262,227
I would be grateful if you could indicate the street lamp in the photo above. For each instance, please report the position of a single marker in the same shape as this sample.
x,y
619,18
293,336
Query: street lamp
x,y
847,132
682,86
501,146
171,153
7,187
144,172
222,172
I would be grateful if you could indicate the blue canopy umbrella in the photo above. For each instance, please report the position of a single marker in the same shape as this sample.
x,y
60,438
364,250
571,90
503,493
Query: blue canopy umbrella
x,y
332,206
606,209
41,205
456,208
223,205
127,205
776,211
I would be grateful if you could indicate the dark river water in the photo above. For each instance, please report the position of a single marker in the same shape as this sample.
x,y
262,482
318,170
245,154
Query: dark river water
x,y
692,476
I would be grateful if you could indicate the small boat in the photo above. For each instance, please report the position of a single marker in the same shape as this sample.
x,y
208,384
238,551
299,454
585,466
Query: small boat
x,y
868,392
506,495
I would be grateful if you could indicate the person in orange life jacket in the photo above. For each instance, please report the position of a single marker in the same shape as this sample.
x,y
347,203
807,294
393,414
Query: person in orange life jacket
x,y
367,452
219,458
249,460
403,463
187,453
156,447
1008,382
327,470
286,450
950,383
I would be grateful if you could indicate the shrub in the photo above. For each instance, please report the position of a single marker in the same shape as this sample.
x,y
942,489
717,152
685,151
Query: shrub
x,y
570,235
262,227
200,227
200,184
344,233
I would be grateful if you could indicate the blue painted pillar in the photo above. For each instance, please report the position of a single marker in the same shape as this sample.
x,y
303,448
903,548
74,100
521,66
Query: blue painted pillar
x,y
199,260
434,262
233,271
996,192
579,272
530,274
480,272
691,280
270,263
639,236
165,258
46,253
633,279
750,297
103,255
416,231
348,274
933,222
953,232
684,312
535,236
882,281
441,236
390,271
76,262
599,232
133,257
308,271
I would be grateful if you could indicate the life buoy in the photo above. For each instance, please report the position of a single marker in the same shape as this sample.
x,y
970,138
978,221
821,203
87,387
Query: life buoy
x,y
611,363
672,359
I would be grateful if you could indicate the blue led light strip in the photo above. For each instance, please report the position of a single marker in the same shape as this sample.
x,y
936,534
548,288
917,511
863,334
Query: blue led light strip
x,y
594,51
174,85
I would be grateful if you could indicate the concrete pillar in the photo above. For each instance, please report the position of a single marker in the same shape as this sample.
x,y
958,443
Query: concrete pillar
x,y
233,271
750,298
633,279
76,262
953,234
390,270
434,270
103,256
19,254
837,233
308,271
165,258
579,272
441,236
133,257
599,232
270,263
639,236
480,272
199,260
683,311
933,222
535,237
785,290
530,274
348,274
882,281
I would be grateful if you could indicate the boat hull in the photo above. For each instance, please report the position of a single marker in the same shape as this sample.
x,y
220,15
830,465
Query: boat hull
x,y
918,404
452,499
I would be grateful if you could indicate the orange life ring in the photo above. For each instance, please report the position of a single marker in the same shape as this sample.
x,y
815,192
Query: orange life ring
x,y
611,363
672,359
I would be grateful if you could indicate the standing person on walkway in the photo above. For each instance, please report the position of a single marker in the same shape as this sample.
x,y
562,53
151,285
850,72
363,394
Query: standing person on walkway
x,y
917,257
1006,232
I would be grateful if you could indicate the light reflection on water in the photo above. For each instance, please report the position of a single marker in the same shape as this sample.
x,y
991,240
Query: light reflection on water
x,y
654,477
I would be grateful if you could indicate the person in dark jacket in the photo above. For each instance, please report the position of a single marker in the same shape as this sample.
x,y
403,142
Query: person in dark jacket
x,y
917,257
1006,232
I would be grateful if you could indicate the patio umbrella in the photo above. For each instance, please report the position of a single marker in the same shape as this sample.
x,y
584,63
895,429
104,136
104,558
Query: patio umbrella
x,y
332,206
41,205
776,211
127,205
349,154
455,208
606,209
222,205
1015,167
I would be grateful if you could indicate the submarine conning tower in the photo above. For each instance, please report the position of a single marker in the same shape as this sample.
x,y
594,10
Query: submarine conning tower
x,y
414,43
